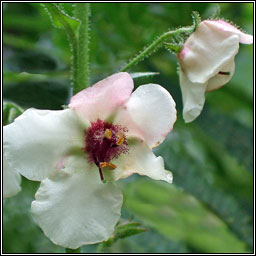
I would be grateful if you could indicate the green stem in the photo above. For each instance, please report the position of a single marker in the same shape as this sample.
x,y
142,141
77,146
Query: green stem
x,y
156,44
78,250
81,68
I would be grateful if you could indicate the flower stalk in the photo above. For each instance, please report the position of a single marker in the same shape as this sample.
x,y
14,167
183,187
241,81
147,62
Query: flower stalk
x,y
179,34
156,44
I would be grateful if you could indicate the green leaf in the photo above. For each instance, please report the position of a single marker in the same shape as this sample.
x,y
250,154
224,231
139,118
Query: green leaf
x,y
193,174
235,137
122,231
13,77
149,242
143,74
17,42
10,112
179,216
128,229
59,18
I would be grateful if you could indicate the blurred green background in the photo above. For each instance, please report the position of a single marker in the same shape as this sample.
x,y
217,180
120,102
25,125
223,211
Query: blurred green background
x,y
209,207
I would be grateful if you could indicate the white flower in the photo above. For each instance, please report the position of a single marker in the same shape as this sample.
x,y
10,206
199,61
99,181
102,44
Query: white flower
x,y
12,179
207,62
107,133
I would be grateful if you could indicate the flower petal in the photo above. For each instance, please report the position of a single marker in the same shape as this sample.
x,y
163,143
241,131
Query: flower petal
x,y
226,27
36,142
102,99
75,208
151,111
11,180
221,79
193,97
206,51
141,160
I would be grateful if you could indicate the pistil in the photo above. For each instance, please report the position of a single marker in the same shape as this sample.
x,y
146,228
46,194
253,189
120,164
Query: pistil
x,y
105,142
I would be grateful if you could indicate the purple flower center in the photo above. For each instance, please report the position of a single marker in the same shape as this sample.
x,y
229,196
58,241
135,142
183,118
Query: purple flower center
x,y
103,143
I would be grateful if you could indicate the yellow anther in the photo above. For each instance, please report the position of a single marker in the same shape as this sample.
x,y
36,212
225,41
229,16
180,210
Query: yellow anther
x,y
110,165
120,140
103,164
108,134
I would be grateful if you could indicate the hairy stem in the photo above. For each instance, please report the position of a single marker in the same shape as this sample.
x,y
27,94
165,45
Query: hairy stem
x,y
81,67
156,44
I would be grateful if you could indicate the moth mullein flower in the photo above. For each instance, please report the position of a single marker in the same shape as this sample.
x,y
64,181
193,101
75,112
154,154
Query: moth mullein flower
x,y
207,62
106,134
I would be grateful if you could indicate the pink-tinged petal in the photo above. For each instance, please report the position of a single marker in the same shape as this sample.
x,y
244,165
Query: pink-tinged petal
x,y
36,143
102,99
209,50
150,114
226,27
75,208
193,97
223,77
184,51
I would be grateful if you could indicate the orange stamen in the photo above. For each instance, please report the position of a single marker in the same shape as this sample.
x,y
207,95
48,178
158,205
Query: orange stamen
x,y
120,141
105,164
112,165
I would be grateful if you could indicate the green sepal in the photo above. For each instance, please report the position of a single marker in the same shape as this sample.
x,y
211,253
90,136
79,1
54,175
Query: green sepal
x,y
173,48
179,39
